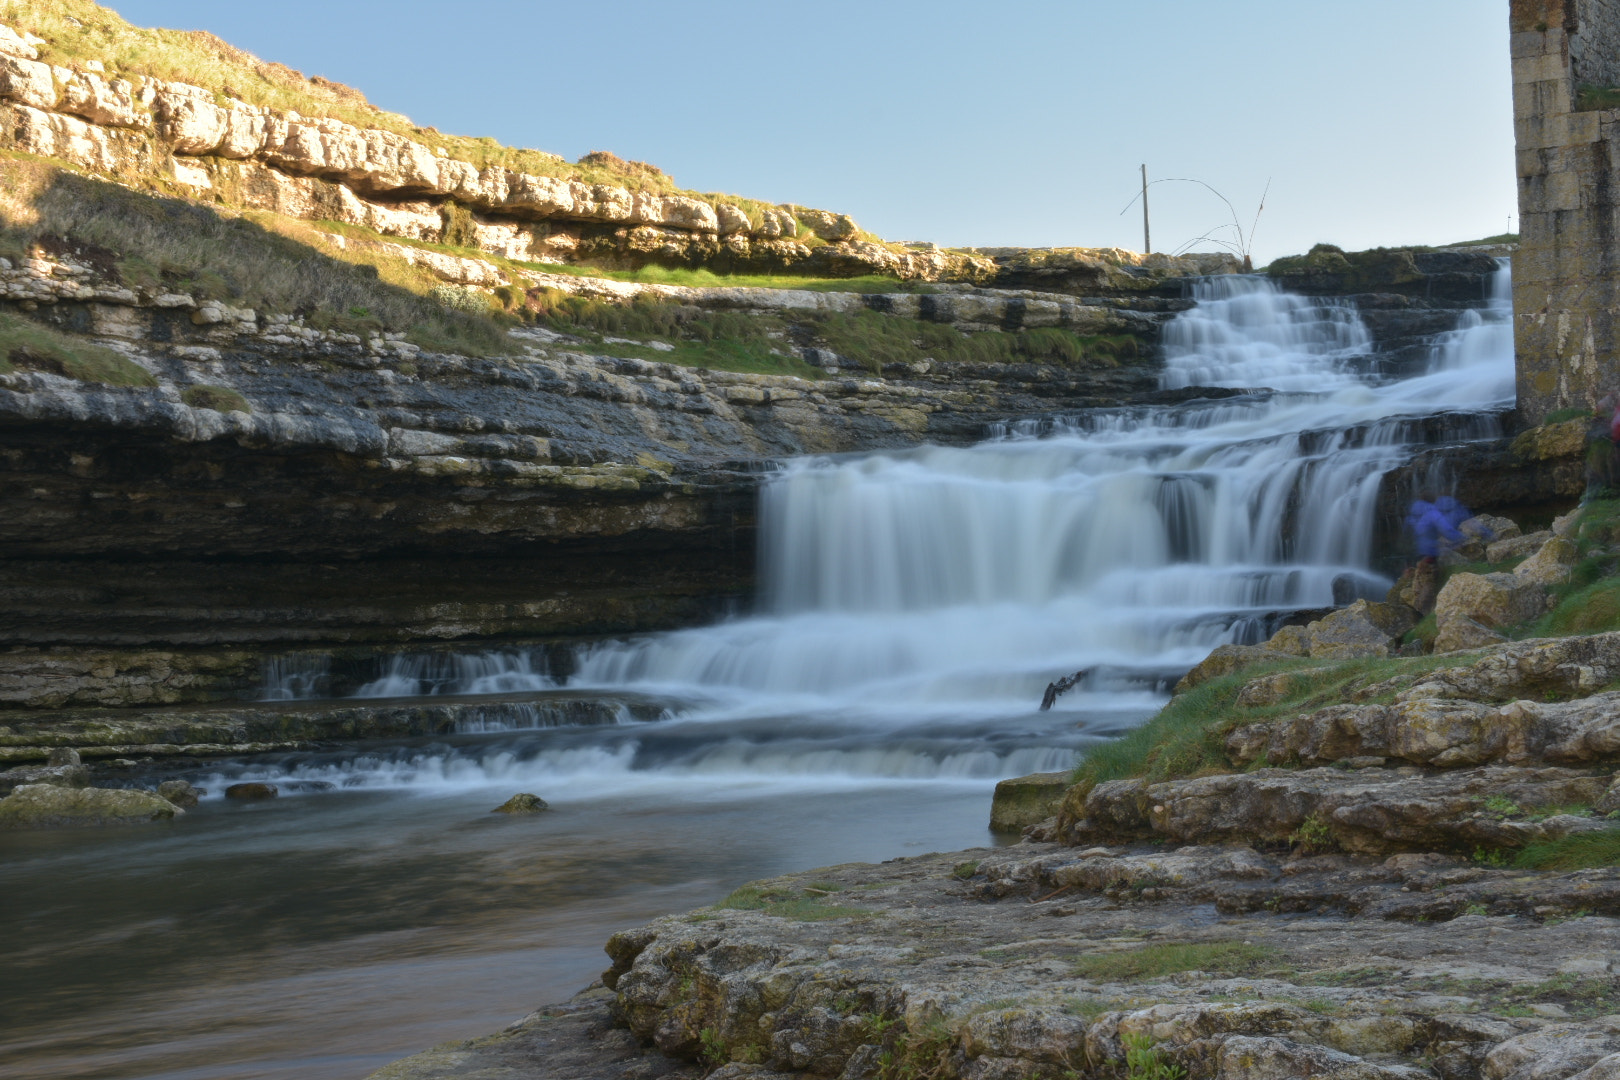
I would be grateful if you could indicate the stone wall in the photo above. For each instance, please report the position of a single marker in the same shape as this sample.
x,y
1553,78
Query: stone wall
x,y
1566,274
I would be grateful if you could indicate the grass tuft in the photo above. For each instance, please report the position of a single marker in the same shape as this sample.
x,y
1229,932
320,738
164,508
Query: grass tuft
x,y
29,345
218,398
1580,851
1155,961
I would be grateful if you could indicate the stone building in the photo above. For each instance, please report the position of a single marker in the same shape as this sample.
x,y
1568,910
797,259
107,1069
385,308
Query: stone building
x,y
1566,272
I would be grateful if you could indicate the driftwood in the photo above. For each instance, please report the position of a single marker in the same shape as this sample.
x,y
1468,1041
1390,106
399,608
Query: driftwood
x,y
1055,690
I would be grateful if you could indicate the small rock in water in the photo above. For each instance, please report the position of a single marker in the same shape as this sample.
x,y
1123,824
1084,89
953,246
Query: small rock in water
x,y
180,793
522,804
63,755
251,792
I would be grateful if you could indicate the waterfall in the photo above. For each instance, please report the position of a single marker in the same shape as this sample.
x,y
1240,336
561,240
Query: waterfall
x,y
913,605
943,581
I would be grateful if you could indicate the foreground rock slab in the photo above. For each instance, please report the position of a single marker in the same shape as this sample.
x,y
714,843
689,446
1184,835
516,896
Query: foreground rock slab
x,y
44,806
1044,961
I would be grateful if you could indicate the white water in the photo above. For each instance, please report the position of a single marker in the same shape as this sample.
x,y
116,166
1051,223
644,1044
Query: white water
x,y
914,605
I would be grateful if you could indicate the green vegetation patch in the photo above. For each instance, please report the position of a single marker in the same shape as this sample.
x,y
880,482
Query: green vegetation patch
x,y
29,345
785,904
218,398
1579,851
877,340
1156,961
1590,98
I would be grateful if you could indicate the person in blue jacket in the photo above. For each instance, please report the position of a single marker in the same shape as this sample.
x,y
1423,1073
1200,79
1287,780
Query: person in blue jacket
x,y
1434,523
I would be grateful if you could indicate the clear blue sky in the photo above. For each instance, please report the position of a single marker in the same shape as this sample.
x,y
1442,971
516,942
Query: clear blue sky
x,y
1018,123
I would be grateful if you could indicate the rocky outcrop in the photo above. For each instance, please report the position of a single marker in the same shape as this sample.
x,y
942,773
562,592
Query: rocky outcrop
x,y
1034,960
322,168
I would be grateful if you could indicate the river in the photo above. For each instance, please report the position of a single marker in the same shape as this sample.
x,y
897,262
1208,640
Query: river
x,y
913,607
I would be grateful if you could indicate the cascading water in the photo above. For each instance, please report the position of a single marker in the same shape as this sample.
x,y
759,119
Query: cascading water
x,y
914,605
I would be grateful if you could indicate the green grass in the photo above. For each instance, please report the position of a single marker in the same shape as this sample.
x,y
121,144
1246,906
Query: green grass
x,y
1579,851
877,340
1590,98
261,261
1156,961
700,278
218,398
787,905
28,345
1499,238
1559,416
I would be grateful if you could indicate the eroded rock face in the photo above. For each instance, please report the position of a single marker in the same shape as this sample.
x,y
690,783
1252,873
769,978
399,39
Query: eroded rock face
x,y
1371,811
45,806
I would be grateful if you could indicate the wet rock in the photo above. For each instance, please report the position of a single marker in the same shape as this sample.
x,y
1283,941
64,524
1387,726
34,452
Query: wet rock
x,y
74,776
252,792
180,793
522,803
44,806
1026,800
1494,601
62,755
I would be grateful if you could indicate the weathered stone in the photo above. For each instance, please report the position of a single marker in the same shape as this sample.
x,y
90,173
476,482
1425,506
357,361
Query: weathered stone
x,y
1516,547
1365,628
1564,439
1439,732
1370,811
43,806
1558,1051
1489,527
1026,800
1495,601
522,803
1461,632
252,792
1552,563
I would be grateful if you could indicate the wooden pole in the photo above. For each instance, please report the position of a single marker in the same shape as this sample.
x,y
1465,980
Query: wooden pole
x,y
1147,240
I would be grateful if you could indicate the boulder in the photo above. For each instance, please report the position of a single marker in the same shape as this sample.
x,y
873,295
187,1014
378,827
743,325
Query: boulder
x,y
1561,440
252,792
44,806
1027,800
1517,546
180,793
1460,632
1495,601
1223,660
522,803
1365,628
1487,528
1552,564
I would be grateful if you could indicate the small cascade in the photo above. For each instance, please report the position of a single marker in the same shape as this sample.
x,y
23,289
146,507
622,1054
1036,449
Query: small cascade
x,y
422,674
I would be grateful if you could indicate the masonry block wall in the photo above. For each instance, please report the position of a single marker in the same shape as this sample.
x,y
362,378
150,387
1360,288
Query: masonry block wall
x,y
1566,272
